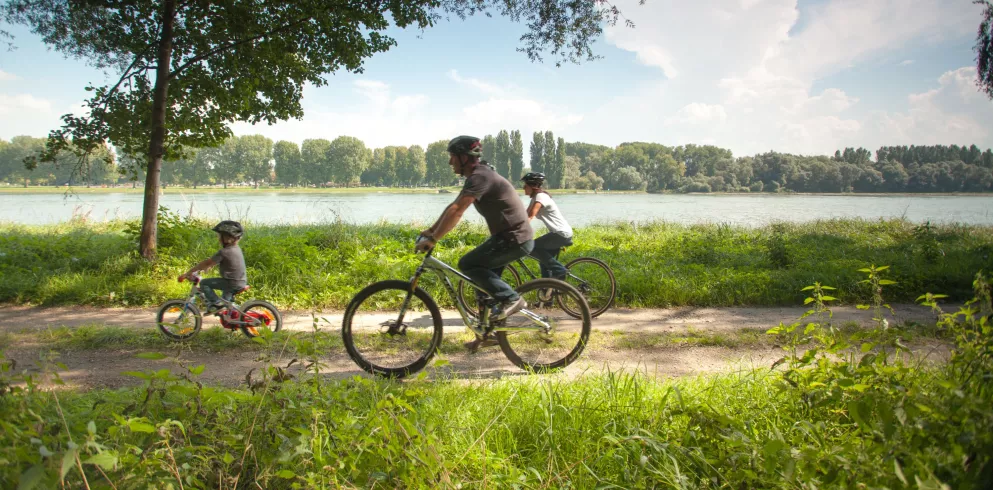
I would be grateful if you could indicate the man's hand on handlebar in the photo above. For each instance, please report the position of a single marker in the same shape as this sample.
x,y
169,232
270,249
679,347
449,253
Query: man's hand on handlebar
x,y
423,243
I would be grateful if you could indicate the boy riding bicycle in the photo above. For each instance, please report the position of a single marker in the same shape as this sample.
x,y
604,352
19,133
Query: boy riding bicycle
x,y
230,262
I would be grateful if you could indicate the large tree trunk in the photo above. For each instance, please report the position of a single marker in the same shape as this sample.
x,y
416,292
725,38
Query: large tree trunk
x,y
149,223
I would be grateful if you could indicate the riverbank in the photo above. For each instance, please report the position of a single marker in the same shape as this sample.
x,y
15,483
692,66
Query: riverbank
x,y
656,265
139,189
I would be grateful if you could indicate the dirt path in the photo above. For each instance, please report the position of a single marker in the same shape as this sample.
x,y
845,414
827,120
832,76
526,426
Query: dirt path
x,y
102,368
20,318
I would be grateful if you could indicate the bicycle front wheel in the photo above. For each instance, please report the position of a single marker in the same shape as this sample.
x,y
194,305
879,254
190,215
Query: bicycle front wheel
x,y
382,340
595,280
543,336
178,319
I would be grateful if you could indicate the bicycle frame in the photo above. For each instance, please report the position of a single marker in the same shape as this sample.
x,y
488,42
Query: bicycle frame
x,y
197,292
527,269
443,270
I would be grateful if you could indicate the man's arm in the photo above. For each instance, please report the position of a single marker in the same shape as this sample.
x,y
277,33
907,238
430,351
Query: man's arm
x,y
430,231
451,217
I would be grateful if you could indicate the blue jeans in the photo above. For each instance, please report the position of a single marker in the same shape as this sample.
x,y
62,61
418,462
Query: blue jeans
x,y
209,285
485,263
546,249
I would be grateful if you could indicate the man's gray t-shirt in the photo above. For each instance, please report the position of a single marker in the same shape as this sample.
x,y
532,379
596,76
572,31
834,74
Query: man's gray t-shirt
x,y
497,201
231,262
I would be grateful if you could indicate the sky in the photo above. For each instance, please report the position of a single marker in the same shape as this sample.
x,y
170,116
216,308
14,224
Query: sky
x,y
800,76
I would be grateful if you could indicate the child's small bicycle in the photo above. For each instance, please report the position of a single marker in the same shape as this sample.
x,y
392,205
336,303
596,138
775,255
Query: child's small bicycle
x,y
180,319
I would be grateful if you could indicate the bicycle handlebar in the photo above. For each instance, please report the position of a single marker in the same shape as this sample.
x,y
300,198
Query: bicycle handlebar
x,y
195,276
418,240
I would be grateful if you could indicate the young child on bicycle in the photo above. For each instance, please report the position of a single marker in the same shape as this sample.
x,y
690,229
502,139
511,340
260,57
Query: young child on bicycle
x,y
547,246
230,262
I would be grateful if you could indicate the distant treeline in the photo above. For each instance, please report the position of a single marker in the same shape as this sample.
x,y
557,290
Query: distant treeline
x,y
652,167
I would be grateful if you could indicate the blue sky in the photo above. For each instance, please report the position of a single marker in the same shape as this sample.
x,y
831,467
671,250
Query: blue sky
x,y
806,76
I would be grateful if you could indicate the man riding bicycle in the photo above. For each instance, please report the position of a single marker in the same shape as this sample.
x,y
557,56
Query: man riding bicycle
x,y
511,236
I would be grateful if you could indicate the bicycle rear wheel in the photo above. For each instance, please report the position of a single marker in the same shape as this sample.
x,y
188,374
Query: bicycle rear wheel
x,y
540,350
466,294
595,280
382,342
260,315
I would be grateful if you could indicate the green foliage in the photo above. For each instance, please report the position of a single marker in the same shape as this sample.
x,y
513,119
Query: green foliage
x,y
984,48
656,264
850,412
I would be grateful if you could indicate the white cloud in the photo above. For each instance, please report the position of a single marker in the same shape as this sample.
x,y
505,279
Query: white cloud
x,y
476,83
760,60
906,62
4,76
380,118
954,112
510,113
20,103
697,113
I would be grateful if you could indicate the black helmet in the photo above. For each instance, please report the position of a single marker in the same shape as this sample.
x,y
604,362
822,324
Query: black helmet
x,y
465,145
534,179
229,227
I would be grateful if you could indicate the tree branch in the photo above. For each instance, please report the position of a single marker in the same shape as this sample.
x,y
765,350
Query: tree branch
x,y
228,46
126,75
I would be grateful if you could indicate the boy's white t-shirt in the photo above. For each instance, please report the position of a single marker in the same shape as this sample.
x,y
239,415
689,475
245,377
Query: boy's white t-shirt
x,y
551,216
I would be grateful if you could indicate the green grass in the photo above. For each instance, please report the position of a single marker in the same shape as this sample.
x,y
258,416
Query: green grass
x,y
612,430
656,265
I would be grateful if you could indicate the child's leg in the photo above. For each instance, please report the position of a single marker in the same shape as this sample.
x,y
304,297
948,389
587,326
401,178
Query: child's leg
x,y
209,285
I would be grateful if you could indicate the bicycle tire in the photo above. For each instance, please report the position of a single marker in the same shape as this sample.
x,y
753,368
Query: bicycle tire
x,y
613,287
461,289
387,372
277,316
587,320
192,308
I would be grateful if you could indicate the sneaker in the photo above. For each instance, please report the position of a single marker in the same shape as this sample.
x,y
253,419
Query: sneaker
x,y
504,309
214,308
477,343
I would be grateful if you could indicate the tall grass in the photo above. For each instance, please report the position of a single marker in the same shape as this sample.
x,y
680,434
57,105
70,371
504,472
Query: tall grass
x,y
839,415
656,265
611,430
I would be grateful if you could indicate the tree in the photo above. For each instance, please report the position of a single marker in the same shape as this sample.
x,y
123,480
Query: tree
x,y
347,157
627,179
204,164
489,149
548,159
254,154
984,49
589,181
501,154
313,153
538,152
416,165
436,158
289,163
556,166
571,174
187,68
516,156
228,168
